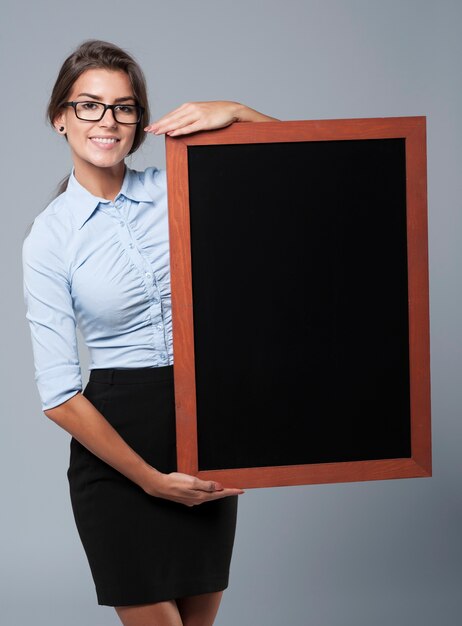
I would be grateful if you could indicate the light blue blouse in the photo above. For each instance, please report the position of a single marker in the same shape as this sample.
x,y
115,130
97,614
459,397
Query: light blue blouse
x,y
102,266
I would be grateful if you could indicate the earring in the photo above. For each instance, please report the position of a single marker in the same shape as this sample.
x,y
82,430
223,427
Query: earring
x,y
61,129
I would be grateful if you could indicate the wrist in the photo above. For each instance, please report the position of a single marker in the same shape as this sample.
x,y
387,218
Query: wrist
x,y
246,114
240,112
153,481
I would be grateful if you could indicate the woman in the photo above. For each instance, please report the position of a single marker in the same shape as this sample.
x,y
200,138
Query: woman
x,y
97,257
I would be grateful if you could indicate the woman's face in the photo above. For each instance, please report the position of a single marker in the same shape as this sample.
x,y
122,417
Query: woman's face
x,y
106,86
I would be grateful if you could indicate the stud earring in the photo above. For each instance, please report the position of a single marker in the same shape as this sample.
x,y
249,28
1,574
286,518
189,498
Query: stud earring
x,y
61,129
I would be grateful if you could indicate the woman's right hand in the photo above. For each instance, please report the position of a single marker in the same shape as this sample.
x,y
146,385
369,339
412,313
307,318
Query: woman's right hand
x,y
187,489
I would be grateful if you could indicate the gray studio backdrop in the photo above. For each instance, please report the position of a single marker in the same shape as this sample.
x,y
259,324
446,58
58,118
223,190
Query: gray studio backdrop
x,y
355,554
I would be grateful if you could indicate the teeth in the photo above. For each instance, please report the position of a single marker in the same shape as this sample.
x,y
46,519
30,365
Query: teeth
x,y
101,140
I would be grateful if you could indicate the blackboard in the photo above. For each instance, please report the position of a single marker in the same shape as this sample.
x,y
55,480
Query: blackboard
x,y
293,263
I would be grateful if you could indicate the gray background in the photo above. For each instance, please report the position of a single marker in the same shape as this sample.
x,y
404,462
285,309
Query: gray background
x,y
360,554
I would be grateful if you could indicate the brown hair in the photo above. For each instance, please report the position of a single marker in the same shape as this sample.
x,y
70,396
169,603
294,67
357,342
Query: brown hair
x,y
94,53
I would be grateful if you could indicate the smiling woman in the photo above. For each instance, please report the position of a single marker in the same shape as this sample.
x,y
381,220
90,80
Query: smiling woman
x,y
97,257
96,138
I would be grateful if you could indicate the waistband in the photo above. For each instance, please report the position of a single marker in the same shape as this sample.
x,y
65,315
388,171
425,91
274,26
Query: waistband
x,y
113,375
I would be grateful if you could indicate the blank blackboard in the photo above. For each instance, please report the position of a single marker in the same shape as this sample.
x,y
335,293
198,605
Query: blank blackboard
x,y
298,275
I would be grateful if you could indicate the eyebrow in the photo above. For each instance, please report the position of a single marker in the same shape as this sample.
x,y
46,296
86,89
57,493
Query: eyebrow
x,y
93,97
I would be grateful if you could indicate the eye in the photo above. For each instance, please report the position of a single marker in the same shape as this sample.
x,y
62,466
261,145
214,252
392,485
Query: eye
x,y
89,106
126,108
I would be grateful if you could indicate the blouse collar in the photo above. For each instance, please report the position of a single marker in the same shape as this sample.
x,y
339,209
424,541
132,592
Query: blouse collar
x,y
82,202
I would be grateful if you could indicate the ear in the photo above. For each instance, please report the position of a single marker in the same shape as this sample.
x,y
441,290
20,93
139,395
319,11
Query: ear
x,y
59,122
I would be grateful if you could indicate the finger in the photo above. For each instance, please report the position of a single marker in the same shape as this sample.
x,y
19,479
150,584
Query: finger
x,y
188,113
225,493
162,122
207,485
186,129
169,121
173,112
204,496
174,124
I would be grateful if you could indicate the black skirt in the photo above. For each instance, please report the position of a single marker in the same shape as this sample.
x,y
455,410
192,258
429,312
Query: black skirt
x,y
141,548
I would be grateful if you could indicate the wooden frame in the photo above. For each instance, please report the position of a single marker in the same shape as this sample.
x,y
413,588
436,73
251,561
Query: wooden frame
x,y
413,131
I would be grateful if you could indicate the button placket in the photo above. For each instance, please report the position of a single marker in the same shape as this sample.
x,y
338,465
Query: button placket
x,y
143,264
126,236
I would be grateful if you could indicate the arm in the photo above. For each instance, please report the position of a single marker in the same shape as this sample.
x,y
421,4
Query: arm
x,y
48,299
52,323
191,117
79,417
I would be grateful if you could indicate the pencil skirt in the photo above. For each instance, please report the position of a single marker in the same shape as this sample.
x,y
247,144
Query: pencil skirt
x,y
142,548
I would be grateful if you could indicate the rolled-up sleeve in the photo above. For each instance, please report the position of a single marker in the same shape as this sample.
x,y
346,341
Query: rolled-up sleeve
x,y
52,322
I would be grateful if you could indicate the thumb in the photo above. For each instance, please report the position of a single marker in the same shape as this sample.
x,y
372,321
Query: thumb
x,y
212,486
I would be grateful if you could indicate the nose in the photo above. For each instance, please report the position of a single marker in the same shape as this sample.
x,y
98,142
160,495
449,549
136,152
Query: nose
x,y
108,118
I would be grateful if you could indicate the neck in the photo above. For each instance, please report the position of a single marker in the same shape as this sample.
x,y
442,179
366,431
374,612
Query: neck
x,y
104,182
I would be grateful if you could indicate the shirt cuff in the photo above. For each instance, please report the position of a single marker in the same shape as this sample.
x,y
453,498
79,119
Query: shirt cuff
x,y
55,390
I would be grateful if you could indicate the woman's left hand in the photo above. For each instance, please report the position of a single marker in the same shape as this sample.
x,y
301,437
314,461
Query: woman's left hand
x,y
191,117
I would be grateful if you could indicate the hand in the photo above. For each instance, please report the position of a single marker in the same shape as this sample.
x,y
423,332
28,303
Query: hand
x,y
191,117
188,490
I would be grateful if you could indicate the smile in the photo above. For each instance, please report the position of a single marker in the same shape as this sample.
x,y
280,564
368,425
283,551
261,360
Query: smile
x,y
104,139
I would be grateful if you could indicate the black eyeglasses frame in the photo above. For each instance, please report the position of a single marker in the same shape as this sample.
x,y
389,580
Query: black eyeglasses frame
x,y
113,107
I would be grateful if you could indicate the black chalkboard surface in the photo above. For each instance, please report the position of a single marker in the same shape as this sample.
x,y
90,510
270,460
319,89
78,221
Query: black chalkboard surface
x,y
298,270
300,302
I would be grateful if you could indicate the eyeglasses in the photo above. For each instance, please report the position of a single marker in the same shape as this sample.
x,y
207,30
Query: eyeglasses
x,y
94,111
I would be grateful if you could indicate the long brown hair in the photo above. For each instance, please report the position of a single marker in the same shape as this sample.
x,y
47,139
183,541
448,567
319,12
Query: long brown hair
x,y
94,53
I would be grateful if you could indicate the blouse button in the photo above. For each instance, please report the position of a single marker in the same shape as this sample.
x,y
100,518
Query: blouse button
x,y
122,223
130,245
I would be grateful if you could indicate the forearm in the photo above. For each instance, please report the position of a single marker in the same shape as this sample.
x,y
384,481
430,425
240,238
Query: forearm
x,y
246,114
79,417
